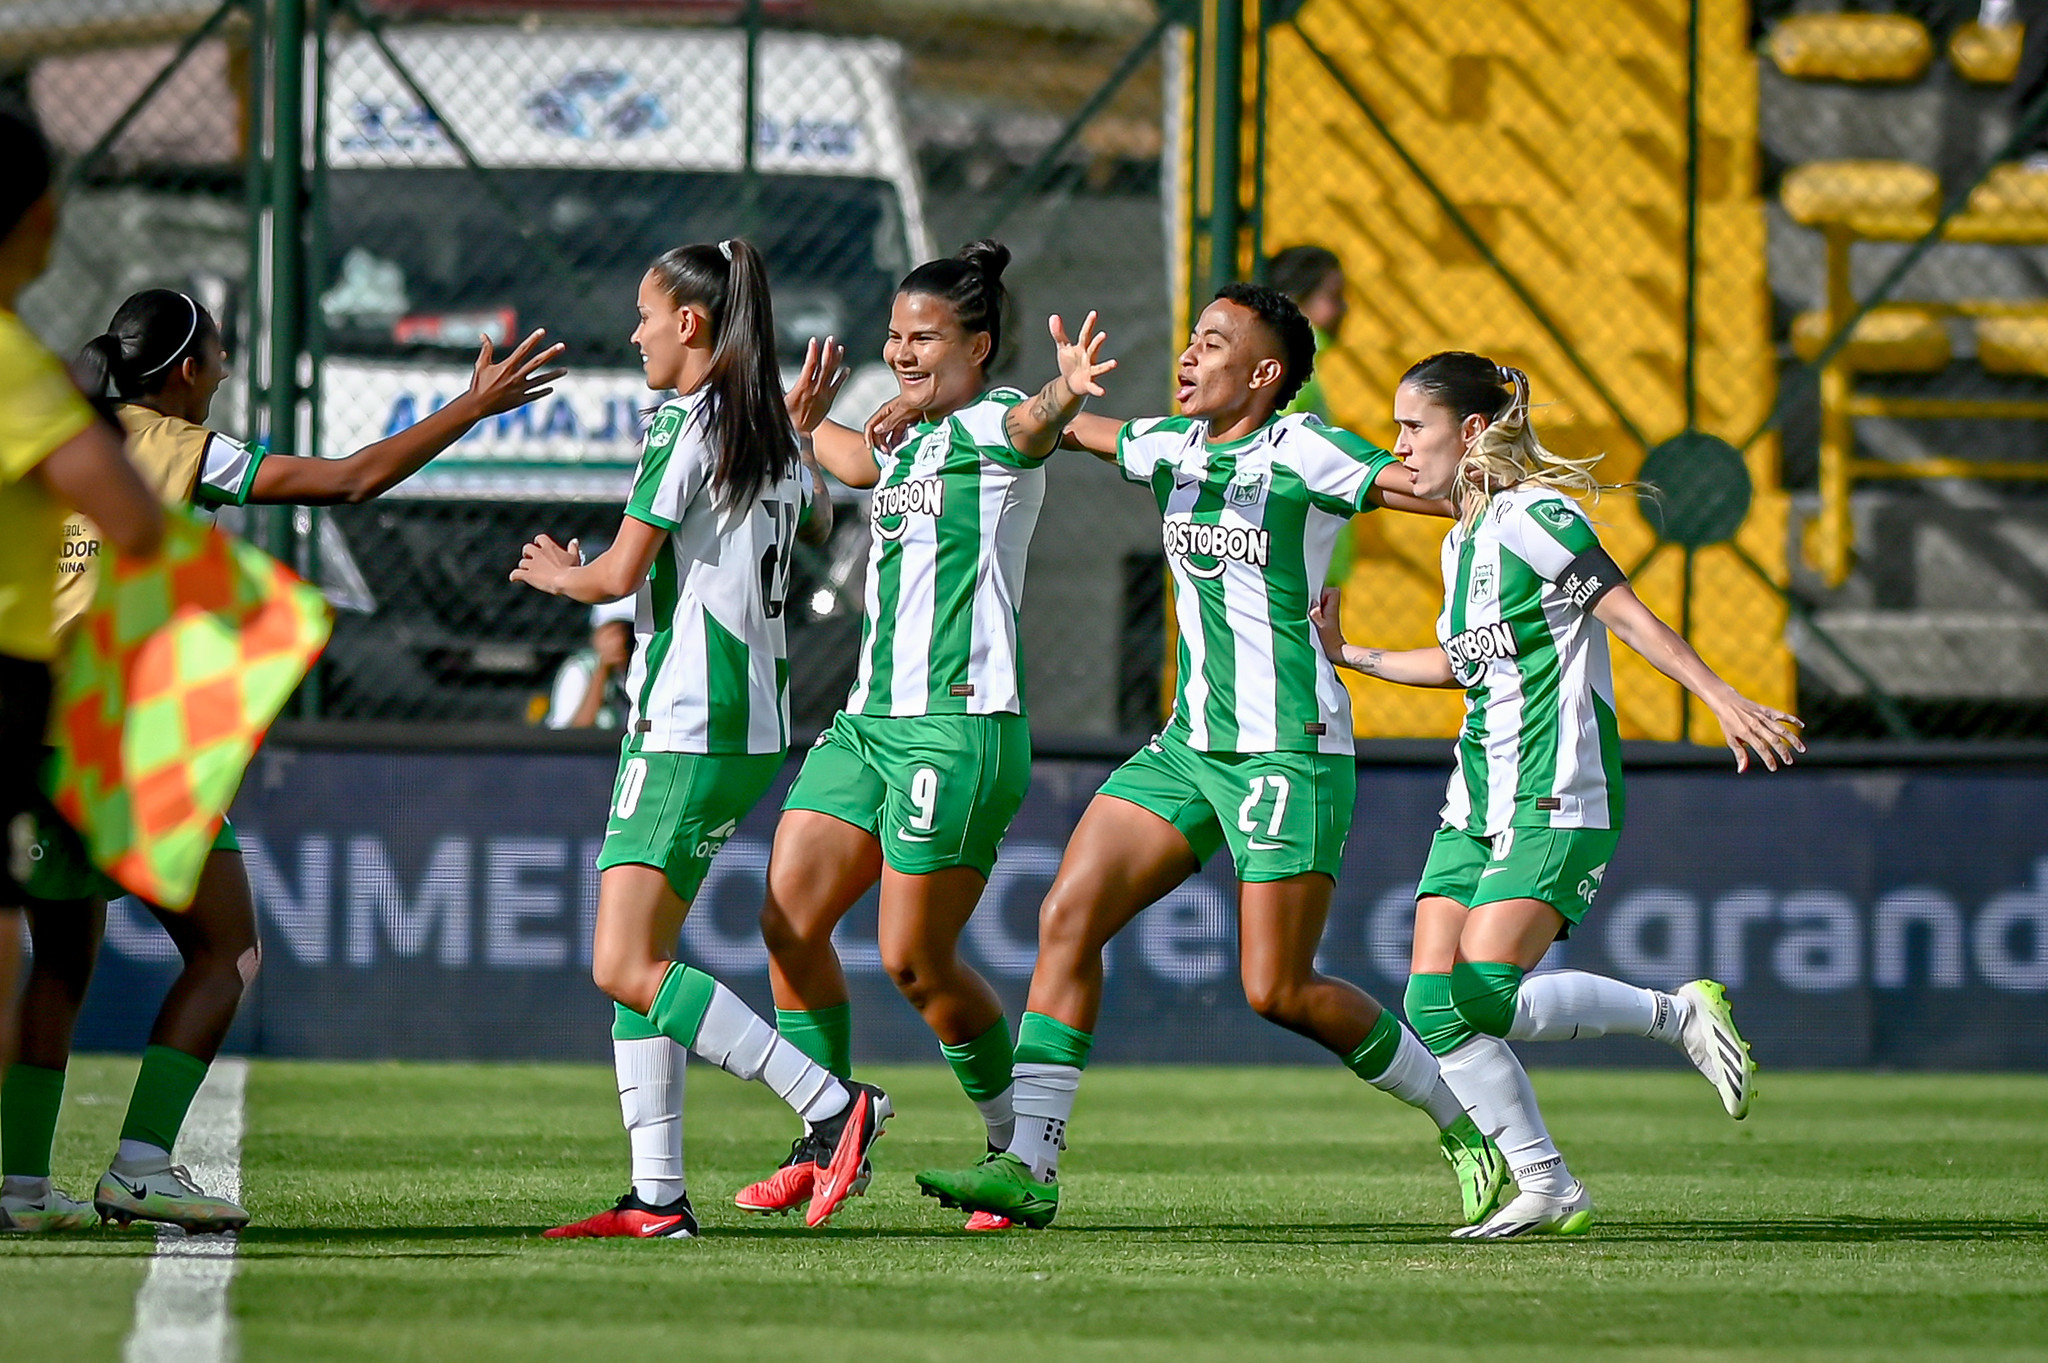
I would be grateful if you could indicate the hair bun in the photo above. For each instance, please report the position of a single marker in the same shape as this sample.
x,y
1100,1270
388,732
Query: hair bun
x,y
988,256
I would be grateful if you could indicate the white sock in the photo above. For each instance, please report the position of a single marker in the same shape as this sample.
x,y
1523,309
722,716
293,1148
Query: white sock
x,y
734,1038
1495,1089
651,1072
1566,1005
1044,1102
1414,1078
132,1159
26,1187
999,1114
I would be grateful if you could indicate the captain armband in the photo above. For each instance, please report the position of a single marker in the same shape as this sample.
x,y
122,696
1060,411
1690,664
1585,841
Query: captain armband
x,y
1589,577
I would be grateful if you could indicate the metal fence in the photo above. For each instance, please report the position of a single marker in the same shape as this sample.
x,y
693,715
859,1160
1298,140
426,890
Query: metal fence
x,y
1629,198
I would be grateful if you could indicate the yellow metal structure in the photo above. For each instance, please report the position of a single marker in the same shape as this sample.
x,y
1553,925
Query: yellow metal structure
x,y
1560,134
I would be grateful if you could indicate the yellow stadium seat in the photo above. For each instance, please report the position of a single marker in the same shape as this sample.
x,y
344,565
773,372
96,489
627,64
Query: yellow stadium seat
x,y
1887,340
1867,48
1871,197
2011,204
1986,56
2013,345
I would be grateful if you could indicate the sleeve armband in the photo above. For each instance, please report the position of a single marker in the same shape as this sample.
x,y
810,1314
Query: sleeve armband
x,y
1589,577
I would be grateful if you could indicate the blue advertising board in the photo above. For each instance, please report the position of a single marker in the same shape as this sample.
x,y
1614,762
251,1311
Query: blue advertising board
x,y
439,905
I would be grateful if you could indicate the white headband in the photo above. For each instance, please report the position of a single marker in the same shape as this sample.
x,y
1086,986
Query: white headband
x,y
190,332
725,249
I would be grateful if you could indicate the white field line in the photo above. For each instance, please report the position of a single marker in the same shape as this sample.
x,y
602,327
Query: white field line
x,y
181,1310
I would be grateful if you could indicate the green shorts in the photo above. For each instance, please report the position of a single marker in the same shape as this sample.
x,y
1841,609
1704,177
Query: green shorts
x,y
63,870
1560,866
1283,813
674,810
939,791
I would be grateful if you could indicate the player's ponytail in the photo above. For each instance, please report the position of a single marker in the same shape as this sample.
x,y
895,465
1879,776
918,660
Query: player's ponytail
x,y
971,280
152,333
1507,451
749,424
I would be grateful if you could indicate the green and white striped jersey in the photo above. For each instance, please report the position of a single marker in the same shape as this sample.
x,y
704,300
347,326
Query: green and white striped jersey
x,y
1248,529
711,673
1540,748
952,517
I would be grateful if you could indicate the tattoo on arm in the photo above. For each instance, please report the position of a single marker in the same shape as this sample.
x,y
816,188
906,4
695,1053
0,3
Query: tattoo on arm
x,y
1370,662
1047,411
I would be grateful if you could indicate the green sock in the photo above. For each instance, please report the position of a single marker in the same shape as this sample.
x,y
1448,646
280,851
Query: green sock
x,y
628,1025
983,1064
823,1034
1484,992
681,1002
163,1094
1430,1013
29,1101
1376,1052
1043,1040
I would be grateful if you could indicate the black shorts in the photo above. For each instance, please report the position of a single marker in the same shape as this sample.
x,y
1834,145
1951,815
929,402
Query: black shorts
x,y
24,719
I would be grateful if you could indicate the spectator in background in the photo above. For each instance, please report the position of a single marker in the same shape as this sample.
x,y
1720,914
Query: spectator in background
x,y
590,687
1314,278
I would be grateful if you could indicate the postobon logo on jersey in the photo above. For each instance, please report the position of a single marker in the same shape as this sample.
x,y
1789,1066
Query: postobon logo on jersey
x,y
918,497
1470,648
1189,540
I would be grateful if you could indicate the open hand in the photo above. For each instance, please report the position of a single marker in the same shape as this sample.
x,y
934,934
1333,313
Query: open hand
x,y
512,382
543,562
1747,726
1079,365
817,385
1326,614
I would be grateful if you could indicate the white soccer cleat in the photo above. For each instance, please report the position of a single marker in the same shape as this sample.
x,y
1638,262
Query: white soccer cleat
x,y
1715,1048
55,1210
1535,1214
167,1195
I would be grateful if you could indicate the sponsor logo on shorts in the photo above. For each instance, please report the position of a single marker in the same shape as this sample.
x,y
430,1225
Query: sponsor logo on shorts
x,y
1471,649
715,839
918,497
1589,884
1191,540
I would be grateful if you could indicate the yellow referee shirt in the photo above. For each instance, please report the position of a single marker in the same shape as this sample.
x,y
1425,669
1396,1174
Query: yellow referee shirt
x,y
40,409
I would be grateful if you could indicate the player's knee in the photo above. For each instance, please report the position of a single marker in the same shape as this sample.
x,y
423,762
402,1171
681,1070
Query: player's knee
x,y
1065,922
1278,1001
1483,993
914,971
1431,1015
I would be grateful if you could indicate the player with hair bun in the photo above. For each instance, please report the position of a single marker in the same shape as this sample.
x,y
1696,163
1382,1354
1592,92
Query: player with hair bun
x,y
158,366
1535,807
917,779
1258,753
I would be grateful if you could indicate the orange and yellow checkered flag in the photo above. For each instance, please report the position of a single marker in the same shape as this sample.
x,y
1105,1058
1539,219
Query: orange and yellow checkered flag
x,y
173,675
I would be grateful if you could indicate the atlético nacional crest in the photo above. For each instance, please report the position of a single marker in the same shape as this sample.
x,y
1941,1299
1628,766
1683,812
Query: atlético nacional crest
x,y
1247,487
1481,590
932,451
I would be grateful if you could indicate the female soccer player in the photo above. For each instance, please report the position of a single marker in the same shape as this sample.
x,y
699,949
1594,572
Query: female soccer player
x,y
54,453
705,545
1258,753
917,779
161,360
1535,806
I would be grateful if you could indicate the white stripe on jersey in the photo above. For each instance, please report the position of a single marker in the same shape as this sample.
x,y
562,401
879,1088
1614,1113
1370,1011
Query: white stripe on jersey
x,y
1247,607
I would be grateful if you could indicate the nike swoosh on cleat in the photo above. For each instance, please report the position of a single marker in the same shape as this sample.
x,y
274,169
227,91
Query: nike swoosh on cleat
x,y
649,1231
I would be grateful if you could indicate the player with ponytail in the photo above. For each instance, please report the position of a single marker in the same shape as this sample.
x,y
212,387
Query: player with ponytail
x,y
725,486
917,779
1534,810
158,366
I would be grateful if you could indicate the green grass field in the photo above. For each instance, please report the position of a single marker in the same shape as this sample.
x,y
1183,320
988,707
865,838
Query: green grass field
x,y
1209,1214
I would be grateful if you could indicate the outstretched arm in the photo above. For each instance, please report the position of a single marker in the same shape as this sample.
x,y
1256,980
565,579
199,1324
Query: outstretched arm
x,y
1034,427
1394,489
494,387
1409,667
1095,434
559,570
1746,726
840,449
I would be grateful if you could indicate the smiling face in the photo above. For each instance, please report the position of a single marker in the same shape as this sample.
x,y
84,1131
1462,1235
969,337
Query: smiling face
x,y
936,361
1232,363
1432,440
662,335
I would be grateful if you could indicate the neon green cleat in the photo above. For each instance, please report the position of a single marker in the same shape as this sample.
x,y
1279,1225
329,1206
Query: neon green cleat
x,y
1481,1169
56,1210
1000,1185
167,1195
1715,1048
